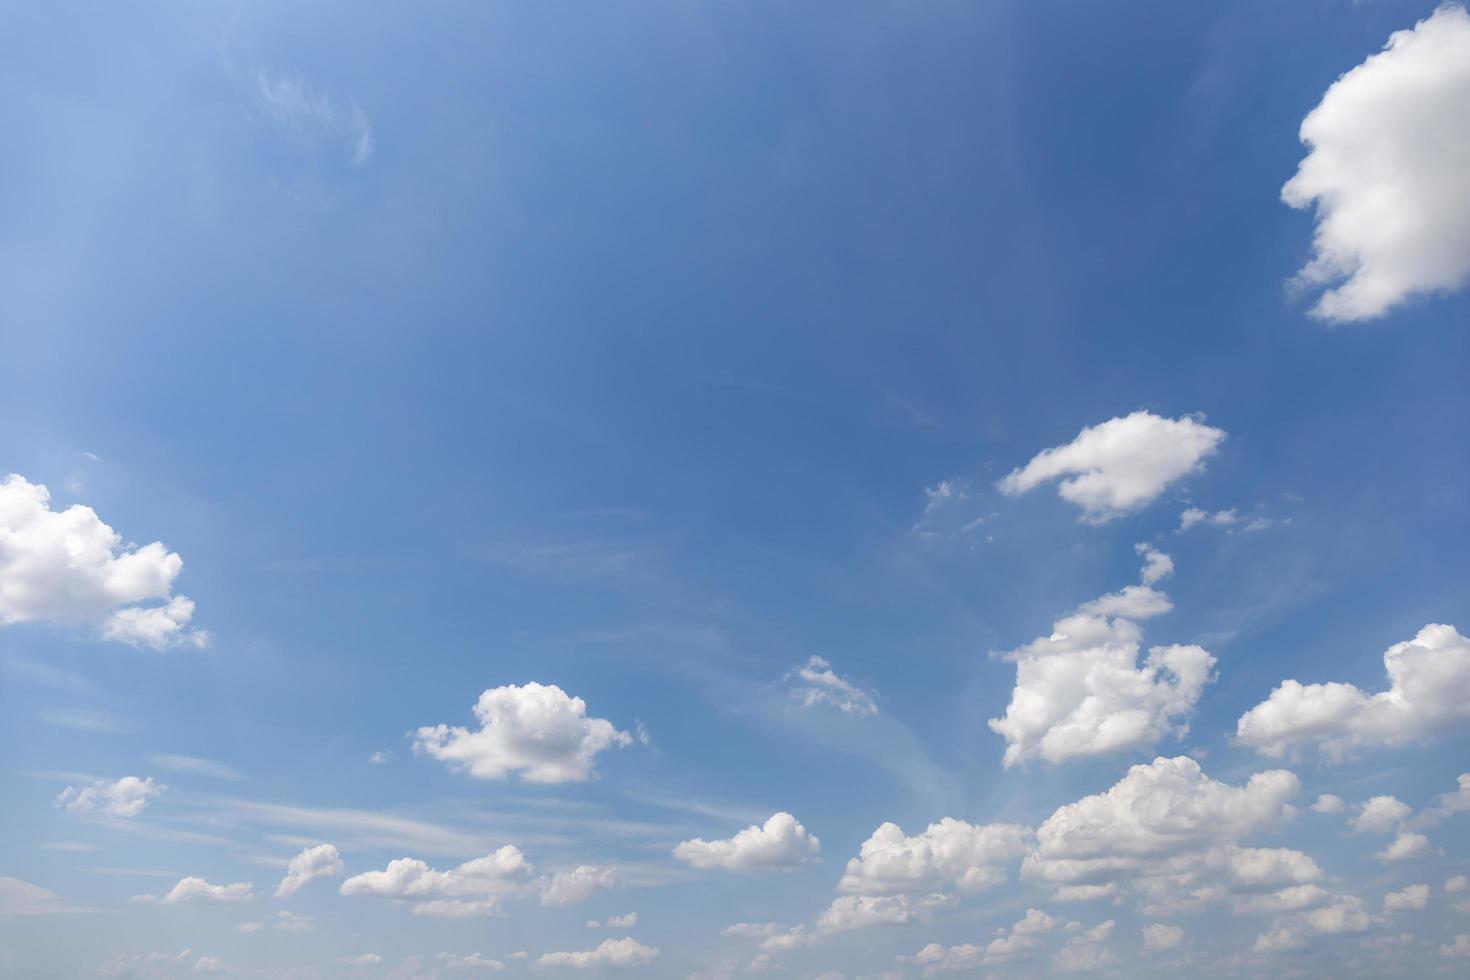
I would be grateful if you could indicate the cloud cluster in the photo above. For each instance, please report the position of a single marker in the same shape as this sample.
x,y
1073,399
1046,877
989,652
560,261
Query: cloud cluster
x,y
1080,691
1429,692
125,797
476,887
948,854
536,730
68,567
782,844
1119,465
1388,147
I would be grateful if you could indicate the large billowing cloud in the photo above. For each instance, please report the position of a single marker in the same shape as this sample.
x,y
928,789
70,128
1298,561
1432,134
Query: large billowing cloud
x,y
536,730
609,953
1171,835
781,844
1429,692
1080,691
321,861
68,567
1119,465
948,854
1389,148
475,887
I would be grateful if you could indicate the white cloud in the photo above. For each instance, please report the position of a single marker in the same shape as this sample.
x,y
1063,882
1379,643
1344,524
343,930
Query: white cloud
x,y
1380,814
1085,953
321,861
1158,937
1327,803
794,938
192,889
193,765
475,887
1405,847
471,963
623,922
935,958
535,730
865,911
19,897
1460,947
1386,170
816,683
751,930
1193,516
610,953
68,567
782,844
577,885
1458,883
160,966
310,117
1022,937
125,797
950,853
1080,691
1119,465
1412,898
1429,692
282,920
1448,804
1156,564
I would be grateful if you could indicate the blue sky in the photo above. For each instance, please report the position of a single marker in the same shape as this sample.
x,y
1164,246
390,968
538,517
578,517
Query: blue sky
x,y
648,352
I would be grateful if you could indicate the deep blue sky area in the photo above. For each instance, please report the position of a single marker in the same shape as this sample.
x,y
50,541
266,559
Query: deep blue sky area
x,y
651,350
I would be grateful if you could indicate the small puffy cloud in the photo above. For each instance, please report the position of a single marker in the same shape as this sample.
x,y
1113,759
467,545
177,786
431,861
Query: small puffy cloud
x,y
1458,949
1193,516
1119,465
1158,937
1458,883
68,567
535,730
321,861
814,682
751,930
1405,847
1085,953
1380,814
1448,804
161,966
1385,168
125,797
197,890
865,911
780,942
1080,691
782,844
193,765
577,885
282,920
1022,937
1344,915
1327,803
1429,692
1156,564
620,922
609,953
950,853
935,958
1413,898
475,887
472,963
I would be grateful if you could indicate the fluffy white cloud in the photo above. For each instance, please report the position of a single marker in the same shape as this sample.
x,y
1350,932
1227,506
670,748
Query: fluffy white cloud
x,y
751,930
1080,691
125,797
935,958
1414,897
1021,937
536,730
1158,937
1405,847
1193,516
1448,804
814,683
1119,465
1327,803
609,953
577,885
950,853
1343,916
1388,149
1156,564
1168,830
475,887
1429,692
782,844
864,911
321,861
69,567
1458,883
1380,814
621,922
192,889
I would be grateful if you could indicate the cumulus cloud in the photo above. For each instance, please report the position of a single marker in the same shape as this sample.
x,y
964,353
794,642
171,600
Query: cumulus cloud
x,y
1080,691
1405,847
1158,937
1156,564
1429,692
1193,516
197,890
125,797
68,567
470,963
1172,834
1119,465
814,682
1458,949
475,887
535,730
609,953
577,885
1380,814
1022,937
627,921
1413,898
865,911
1385,169
781,844
948,854
1448,804
321,861
1327,803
